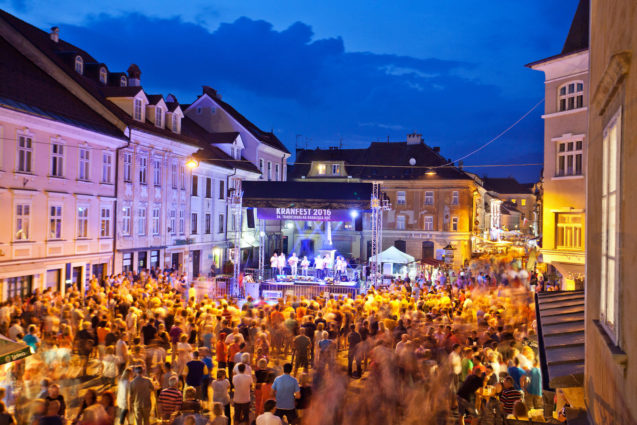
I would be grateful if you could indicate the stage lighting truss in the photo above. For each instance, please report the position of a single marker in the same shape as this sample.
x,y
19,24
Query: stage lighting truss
x,y
379,203
236,198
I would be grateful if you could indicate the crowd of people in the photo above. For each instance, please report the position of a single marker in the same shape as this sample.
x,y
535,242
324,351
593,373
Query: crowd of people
x,y
143,348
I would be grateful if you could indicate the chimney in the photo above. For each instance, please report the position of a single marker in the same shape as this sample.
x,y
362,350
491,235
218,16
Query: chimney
x,y
211,92
55,34
437,149
134,75
414,139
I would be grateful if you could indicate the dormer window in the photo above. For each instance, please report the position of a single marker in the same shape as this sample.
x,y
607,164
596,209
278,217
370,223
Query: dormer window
x,y
122,81
176,123
79,65
103,75
159,117
322,169
336,169
137,109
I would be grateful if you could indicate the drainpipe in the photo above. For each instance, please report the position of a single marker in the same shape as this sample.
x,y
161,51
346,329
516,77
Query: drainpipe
x,y
116,207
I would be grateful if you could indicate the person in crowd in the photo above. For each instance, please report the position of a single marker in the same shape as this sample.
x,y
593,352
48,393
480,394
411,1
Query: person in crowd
x,y
54,395
268,417
170,399
286,390
140,395
242,386
221,391
195,372
219,417
509,395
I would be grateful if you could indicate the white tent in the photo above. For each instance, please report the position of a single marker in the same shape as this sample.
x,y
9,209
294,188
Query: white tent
x,y
395,256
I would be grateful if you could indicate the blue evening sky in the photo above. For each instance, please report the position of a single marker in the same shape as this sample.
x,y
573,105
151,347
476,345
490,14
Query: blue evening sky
x,y
356,71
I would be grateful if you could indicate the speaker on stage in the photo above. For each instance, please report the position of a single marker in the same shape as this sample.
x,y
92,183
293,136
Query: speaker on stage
x,y
358,223
250,215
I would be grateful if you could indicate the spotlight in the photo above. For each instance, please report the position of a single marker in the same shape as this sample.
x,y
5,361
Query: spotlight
x,y
290,225
262,233
353,214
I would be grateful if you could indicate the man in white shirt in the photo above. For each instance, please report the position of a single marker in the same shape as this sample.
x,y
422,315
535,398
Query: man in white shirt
x,y
293,261
318,265
268,417
242,384
281,262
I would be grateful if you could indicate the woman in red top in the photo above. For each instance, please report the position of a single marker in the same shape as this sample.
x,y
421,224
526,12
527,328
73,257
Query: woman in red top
x,y
221,352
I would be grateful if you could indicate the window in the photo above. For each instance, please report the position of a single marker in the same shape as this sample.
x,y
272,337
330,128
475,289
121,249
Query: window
x,y
261,167
171,223
137,109
143,167
128,166
454,197
222,194
276,172
57,160
523,202
173,174
269,171
126,220
429,198
141,221
232,152
429,222
107,167
199,110
569,158
25,154
155,223
400,222
207,224
221,223
336,169
79,65
176,122
571,96
122,81
193,224
159,117
55,222
82,222
611,219
182,223
321,169
85,164
105,222
401,198
157,172
182,176
195,186
208,187
569,231
454,224
22,222
103,75
514,201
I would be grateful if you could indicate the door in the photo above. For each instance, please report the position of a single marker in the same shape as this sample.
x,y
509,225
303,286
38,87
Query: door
x,y
77,278
53,279
99,270
127,262
401,245
196,257
142,261
154,259
175,261
427,249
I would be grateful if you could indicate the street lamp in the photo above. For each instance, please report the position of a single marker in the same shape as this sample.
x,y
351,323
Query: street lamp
x,y
192,163
430,172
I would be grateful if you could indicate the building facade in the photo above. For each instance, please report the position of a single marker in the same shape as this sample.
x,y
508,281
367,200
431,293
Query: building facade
x,y
611,296
566,152
432,203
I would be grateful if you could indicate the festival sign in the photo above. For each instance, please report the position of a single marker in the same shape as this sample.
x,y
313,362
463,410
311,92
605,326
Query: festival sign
x,y
303,214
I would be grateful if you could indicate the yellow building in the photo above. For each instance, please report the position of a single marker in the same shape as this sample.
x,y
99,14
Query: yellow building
x,y
565,153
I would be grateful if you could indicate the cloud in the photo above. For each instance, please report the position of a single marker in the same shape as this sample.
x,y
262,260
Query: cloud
x,y
291,80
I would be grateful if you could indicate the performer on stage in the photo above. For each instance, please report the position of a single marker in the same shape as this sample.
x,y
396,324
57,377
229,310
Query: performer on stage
x,y
274,261
318,265
305,264
328,264
293,261
341,267
280,264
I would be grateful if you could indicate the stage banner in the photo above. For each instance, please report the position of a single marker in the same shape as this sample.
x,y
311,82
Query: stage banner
x,y
303,214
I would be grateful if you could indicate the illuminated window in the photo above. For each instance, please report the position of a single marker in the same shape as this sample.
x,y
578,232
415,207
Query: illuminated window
x,y
429,222
103,75
82,222
105,222
571,96
454,224
429,198
321,169
611,218
55,222
126,221
401,198
79,65
569,158
22,222
336,169
523,202
569,234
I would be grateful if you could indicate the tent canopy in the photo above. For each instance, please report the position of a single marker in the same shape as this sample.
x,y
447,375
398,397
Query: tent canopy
x,y
394,255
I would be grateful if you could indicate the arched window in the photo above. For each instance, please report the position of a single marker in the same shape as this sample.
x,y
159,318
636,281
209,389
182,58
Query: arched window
x,y
570,96
79,65
103,75
122,81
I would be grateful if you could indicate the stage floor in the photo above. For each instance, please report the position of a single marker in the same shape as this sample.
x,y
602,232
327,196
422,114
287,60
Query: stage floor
x,y
278,289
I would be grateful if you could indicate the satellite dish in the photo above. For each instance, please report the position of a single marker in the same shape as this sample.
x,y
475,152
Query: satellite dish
x,y
412,161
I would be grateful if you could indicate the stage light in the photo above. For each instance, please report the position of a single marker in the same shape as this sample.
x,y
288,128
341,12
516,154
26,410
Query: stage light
x,y
262,234
192,163
353,214
290,225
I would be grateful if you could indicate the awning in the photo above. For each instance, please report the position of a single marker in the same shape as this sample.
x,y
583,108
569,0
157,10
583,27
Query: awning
x,y
432,261
11,351
393,255
560,320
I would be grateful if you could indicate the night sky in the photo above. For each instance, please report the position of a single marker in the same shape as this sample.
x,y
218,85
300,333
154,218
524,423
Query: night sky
x,y
356,71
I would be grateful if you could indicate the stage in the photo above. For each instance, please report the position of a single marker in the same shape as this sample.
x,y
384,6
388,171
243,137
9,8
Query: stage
x,y
309,289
